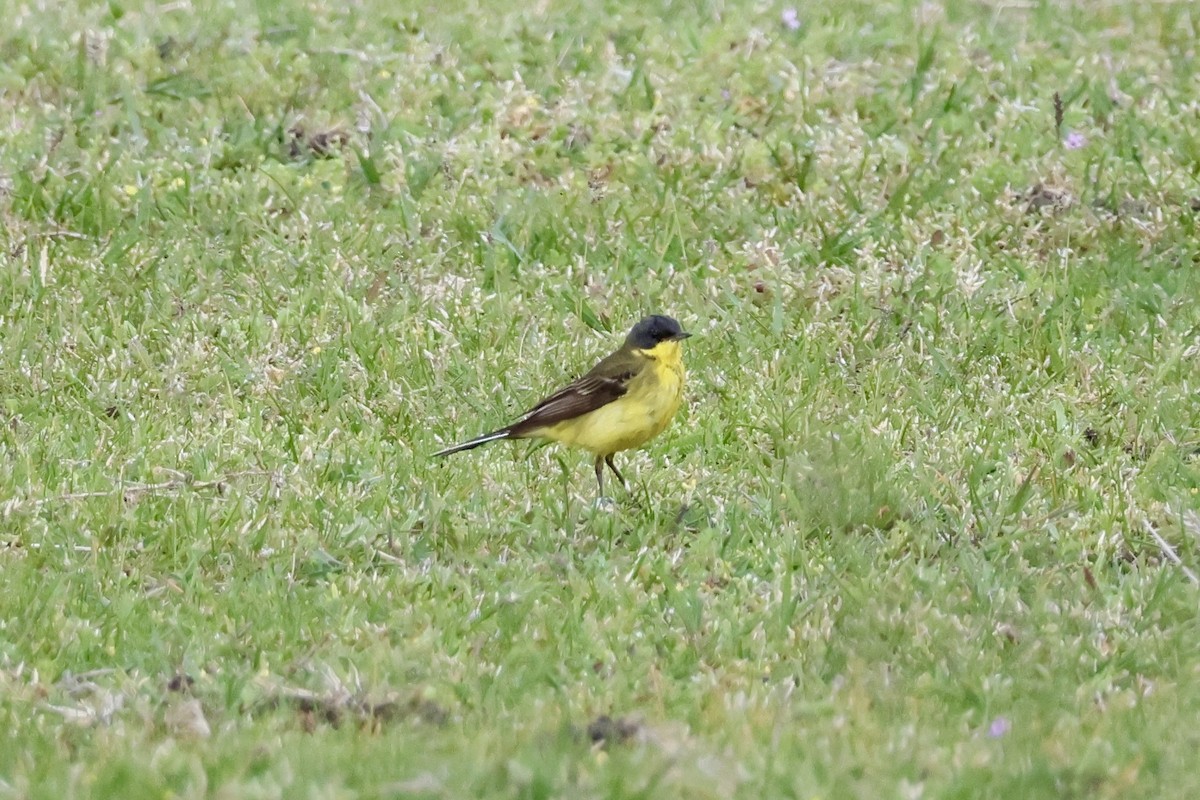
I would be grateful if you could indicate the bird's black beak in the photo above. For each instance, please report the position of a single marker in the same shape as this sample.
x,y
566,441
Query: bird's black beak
x,y
679,337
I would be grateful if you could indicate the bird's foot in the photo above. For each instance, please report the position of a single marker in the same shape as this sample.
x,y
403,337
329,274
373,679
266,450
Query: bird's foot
x,y
606,504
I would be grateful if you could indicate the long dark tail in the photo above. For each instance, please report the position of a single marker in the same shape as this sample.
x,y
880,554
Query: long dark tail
x,y
503,433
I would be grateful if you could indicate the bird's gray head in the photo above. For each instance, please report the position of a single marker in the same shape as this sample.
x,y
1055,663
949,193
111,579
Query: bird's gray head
x,y
654,329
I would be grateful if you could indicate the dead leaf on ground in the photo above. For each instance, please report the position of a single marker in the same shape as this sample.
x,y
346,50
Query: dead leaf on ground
x,y
320,143
1043,196
336,707
604,730
185,717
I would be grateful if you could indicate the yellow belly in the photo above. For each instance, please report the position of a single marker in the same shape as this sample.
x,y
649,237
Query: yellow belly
x,y
631,420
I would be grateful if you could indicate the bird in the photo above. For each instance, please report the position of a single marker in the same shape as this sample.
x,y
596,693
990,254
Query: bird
x,y
621,403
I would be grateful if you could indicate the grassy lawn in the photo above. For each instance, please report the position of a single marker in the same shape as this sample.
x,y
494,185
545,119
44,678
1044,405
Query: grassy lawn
x,y
927,526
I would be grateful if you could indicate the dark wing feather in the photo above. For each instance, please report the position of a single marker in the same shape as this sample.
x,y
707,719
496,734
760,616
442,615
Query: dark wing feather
x,y
607,381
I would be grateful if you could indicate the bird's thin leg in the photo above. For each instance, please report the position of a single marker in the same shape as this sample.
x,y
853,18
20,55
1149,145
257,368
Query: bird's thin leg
x,y
608,460
600,474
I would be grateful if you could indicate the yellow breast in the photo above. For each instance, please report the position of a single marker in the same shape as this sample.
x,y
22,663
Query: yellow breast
x,y
636,417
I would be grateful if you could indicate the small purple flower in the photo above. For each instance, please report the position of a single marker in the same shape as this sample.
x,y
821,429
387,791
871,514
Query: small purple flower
x,y
999,727
791,19
1075,140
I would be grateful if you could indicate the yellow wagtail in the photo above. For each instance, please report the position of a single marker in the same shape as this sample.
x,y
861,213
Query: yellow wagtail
x,y
621,403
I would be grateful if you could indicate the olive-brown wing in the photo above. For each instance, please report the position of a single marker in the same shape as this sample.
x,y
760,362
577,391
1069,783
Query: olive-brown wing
x,y
607,381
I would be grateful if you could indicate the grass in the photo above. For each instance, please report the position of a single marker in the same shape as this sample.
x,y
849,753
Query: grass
x,y
928,526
